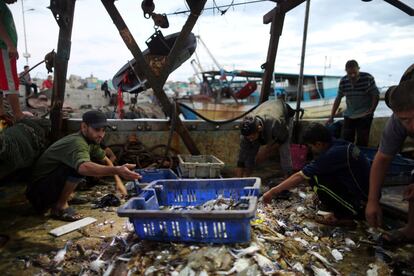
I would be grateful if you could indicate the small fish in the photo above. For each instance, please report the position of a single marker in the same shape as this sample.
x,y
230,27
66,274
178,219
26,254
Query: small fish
x,y
281,223
265,264
300,209
238,266
320,258
302,241
373,270
246,251
349,242
97,265
60,255
320,271
299,267
308,232
337,255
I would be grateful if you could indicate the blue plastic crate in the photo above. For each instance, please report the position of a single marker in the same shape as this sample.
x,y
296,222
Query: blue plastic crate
x,y
227,226
399,165
150,175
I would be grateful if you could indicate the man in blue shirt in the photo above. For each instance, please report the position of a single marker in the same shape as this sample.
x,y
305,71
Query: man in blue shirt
x,y
339,174
362,97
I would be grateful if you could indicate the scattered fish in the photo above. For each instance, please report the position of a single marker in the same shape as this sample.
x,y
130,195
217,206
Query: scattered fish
x,y
60,255
349,242
337,255
320,271
98,264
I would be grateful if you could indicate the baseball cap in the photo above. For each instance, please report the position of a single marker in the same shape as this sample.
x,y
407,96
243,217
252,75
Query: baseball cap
x,y
95,119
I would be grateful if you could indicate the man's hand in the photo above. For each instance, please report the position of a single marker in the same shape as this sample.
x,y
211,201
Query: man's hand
x,y
329,121
373,213
125,172
409,192
267,197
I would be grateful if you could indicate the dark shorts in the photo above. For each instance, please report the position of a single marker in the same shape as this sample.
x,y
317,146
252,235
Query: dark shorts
x,y
361,127
337,199
44,193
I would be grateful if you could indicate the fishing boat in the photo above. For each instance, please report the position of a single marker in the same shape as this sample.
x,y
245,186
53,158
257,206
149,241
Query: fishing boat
x,y
227,94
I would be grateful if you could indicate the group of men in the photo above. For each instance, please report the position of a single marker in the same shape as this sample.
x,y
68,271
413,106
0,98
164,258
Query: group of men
x,y
340,174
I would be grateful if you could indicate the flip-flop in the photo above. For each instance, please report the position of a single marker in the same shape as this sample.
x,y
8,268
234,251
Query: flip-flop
x,y
68,214
396,237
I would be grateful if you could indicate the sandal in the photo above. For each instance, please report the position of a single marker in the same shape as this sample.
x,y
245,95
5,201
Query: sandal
x,y
396,237
68,214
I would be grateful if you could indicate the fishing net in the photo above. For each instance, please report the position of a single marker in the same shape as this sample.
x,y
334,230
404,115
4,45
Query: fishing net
x,y
22,143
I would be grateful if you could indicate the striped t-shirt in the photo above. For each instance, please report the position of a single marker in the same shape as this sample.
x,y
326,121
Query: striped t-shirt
x,y
358,96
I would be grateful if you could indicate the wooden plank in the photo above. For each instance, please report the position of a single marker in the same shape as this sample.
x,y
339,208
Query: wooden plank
x,y
64,229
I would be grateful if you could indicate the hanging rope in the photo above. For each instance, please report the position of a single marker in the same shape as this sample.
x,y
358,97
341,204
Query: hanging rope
x,y
219,7
222,12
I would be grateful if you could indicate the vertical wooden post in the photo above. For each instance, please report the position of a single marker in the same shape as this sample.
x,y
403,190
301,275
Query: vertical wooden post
x,y
275,33
63,11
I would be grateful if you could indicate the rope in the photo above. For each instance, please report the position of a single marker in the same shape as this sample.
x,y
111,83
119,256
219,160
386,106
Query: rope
x,y
218,122
217,7
223,11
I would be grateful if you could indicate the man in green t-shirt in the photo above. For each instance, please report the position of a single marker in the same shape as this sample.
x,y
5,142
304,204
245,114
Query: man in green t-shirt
x,y
66,162
9,81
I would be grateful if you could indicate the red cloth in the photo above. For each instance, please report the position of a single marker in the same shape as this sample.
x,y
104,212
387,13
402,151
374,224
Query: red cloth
x,y
120,102
47,84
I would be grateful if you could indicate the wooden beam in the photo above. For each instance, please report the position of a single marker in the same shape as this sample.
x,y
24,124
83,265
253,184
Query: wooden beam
x,y
141,66
275,33
63,11
286,5
67,228
182,37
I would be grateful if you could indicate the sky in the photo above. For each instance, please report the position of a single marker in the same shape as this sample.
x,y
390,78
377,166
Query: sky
x,y
379,36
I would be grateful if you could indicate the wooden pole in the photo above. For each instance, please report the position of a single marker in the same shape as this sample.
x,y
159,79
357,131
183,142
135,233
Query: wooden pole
x,y
63,11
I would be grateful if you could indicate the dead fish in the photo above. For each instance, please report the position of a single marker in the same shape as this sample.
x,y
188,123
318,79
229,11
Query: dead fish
x,y
373,270
324,261
308,232
203,273
320,258
239,265
60,255
300,209
281,223
337,255
349,242
265,264
320,271
97,265
299,267
187,271
302,241
237,253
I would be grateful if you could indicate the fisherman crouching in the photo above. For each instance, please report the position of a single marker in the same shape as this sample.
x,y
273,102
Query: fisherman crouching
x,y
65,164
339,175
268,125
